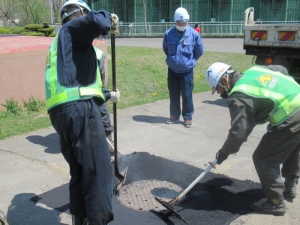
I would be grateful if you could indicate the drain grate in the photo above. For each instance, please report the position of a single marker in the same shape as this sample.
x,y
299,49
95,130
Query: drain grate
x,y
140,195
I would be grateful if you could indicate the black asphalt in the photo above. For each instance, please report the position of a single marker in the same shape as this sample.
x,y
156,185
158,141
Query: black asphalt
x,y
214,200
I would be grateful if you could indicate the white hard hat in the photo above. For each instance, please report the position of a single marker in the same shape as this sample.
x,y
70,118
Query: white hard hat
x,y
214,73
80,3
181,15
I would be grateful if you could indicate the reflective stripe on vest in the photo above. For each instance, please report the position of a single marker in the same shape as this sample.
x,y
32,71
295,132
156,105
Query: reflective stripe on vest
x,y
260,82
57,94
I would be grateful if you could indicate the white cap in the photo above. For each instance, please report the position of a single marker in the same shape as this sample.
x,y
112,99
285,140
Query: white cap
x,y
181,15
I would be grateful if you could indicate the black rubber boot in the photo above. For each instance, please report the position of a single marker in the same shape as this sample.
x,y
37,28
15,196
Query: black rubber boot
x,y
266,206
290,190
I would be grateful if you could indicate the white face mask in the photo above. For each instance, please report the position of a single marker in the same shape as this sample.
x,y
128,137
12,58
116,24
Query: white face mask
x,y
181,28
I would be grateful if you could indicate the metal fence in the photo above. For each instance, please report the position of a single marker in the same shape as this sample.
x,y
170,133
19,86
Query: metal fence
x,y
207,28
158,29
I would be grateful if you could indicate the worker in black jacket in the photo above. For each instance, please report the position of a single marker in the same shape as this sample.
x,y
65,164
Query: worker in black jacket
x,y
259,95
73,97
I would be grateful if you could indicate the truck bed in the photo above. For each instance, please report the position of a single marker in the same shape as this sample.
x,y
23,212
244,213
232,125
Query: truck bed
x,y
270,35
277,44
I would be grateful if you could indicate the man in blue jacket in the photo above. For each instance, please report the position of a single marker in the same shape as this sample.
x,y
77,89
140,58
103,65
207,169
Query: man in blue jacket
x,y
183,47
73,96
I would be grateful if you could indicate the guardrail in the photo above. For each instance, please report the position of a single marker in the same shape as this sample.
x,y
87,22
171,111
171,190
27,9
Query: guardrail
x,y
158,29
207,28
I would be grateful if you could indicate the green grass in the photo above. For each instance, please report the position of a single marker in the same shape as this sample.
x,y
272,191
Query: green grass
x,y
141,79
142,73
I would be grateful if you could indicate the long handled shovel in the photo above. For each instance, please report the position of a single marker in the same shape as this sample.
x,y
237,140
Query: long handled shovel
x,y
120,176
170,205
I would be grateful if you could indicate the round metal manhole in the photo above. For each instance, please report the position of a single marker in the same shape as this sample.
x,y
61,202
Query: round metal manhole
x,y
140,195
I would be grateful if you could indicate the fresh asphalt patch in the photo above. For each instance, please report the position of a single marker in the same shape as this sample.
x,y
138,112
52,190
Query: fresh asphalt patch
x,y
216,199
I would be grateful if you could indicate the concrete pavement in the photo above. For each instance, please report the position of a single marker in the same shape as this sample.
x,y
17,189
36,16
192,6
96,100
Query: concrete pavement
x,y
32,165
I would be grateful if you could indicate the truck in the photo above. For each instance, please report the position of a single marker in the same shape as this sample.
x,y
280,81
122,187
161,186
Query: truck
x,y
277,44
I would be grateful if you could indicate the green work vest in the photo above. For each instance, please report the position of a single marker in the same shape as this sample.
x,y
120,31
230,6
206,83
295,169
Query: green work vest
x,y
261,82
56,94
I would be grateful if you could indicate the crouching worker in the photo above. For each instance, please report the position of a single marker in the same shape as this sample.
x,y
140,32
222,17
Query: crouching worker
x,y
259,95
73,96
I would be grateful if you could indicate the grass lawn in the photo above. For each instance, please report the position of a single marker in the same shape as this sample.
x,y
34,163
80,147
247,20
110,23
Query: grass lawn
x,y
141,79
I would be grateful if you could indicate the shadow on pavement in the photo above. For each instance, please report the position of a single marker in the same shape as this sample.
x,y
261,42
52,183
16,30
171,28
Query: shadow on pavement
x,y
149,119
24,211
51,142
219,102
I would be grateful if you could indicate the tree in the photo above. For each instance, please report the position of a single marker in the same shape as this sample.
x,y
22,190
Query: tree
x,y
56,7
145,16
24,12
8,11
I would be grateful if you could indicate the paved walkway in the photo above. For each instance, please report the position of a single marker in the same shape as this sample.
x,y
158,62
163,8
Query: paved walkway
x,y
32,165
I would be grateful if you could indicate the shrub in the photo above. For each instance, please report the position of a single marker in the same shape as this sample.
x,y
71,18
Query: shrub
x,y
37,34
52,35
27,33
33,27
46,31
5,31
16,30
34,105
45,24
12,106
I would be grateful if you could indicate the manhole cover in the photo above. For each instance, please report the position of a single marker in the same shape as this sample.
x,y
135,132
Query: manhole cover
x,y
140,195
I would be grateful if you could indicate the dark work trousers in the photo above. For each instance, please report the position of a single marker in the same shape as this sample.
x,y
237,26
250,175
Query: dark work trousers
x,y
181,84
277,148
106,119
83,145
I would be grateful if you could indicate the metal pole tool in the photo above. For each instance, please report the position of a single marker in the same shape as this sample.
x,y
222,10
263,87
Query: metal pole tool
x,y
120,176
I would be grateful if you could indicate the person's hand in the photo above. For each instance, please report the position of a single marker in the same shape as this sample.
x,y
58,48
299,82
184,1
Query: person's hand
x,y
114,24
221,157
114,96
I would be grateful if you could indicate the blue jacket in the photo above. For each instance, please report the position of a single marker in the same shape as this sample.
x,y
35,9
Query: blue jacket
x,y
182,53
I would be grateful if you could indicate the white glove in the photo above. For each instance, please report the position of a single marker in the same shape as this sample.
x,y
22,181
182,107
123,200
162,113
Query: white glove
x,y
114,96
114,24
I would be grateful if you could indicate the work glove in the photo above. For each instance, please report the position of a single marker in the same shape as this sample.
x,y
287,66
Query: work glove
x,y
114,24
221,157
114,96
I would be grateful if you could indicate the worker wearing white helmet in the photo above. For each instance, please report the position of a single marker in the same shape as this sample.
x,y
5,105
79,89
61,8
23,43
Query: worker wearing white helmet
x,y
81,6
183,47
73,96
257,96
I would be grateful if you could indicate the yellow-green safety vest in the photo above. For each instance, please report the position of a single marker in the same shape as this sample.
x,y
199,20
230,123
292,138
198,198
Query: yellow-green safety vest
x,y
57,94
283,90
